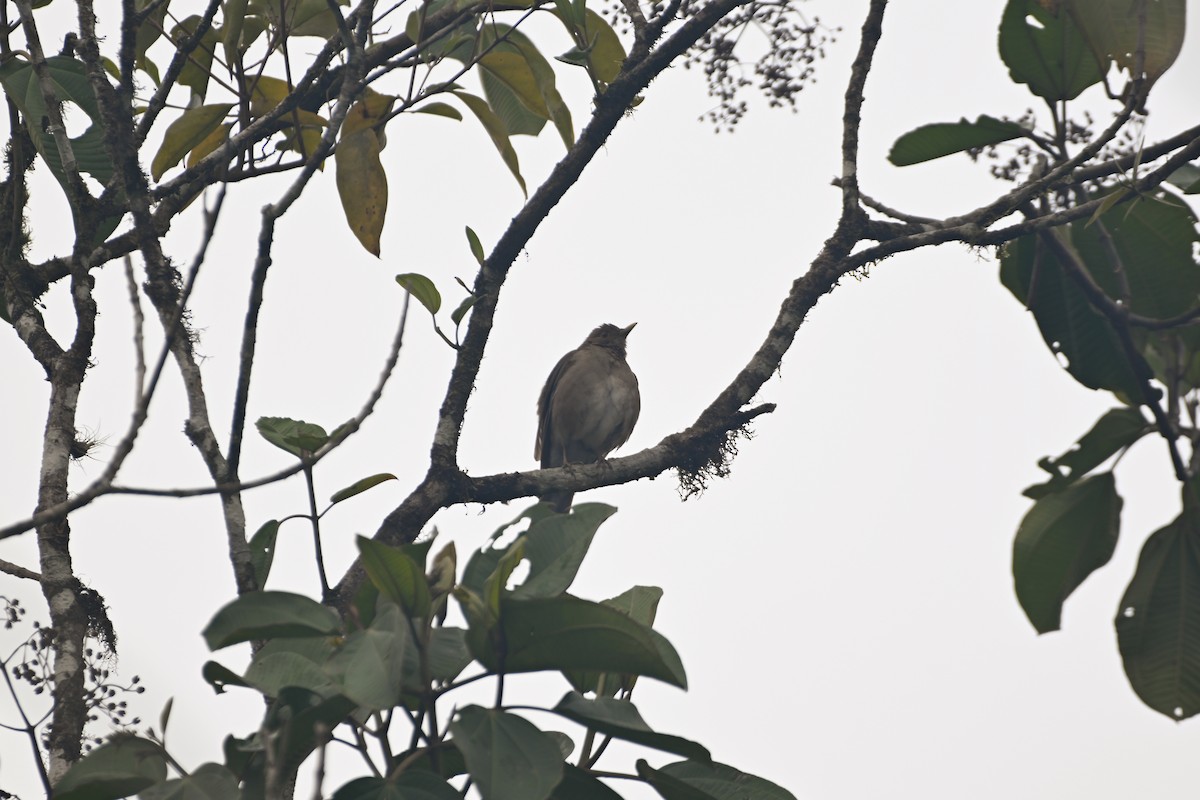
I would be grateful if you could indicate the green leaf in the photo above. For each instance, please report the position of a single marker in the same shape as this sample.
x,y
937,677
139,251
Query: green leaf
x,y
456,316
943,138
496,130
556,546
299,17
219,676
448,653
397,575
362,186
567,633
70,83
1072,329
1111,29
233,20
621,720
410,785
193,127
368,666
1116,430
441,110
262,551
302,720
476,246
281,663
122,766
577,784
1065,537
198,68
508,758
641,605
361,485
269,615
206,782
1186,178
296,437
1158,629
1046,50
604,53
422,289
691,780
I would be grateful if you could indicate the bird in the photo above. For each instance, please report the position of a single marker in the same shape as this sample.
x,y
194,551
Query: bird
x,y
588,406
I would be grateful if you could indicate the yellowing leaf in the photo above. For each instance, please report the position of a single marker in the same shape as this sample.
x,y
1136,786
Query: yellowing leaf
x,y
362,185
367,112
185,133
268,93
210,143
496,130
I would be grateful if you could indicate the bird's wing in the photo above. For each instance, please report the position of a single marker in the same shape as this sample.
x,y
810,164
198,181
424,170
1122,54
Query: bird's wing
x,y
545,447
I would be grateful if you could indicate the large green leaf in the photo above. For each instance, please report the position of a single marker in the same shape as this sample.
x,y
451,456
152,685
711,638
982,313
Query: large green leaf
x,y
70,84
409,785
1070,326
1043,48
641,605
198,68
1117,429
368,667
302,720
621,720
267,615
292,662
693,780
556,545
118,768
1112,30
603,54
944,138
567,633
1158,625
1065,537
295,436
206,782
578,784
191,128
507,756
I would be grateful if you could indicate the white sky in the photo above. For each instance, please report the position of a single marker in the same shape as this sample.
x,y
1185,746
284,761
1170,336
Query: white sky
x,y
843,602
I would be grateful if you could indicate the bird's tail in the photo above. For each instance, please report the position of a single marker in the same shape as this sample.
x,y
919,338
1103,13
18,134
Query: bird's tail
x,y
561,501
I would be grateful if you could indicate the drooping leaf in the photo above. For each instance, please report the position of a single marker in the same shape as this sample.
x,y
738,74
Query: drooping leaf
x,y
1117,429
440,110
604,54
477,246
1070,326
1043,47
198,68
362,187
118,768
299,17
1158,627
302,720
621,720
209,144
1065,537
219,676
267,615
507,756
943,138
641,605
262,551
577,784
496,130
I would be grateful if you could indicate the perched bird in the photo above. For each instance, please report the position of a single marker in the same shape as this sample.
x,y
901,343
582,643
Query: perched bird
x,y
588,406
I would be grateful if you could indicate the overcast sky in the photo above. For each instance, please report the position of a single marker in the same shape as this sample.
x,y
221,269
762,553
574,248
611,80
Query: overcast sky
x,y
842,602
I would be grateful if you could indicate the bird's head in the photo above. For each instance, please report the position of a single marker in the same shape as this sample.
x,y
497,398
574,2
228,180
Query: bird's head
x,y
610,337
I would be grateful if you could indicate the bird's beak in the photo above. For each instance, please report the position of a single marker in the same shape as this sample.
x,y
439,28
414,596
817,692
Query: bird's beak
x,y
630,328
